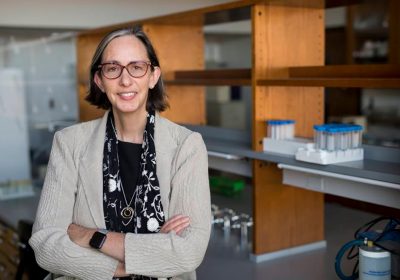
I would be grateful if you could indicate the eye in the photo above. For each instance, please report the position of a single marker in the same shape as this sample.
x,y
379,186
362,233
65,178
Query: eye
x,y
138,66
112,68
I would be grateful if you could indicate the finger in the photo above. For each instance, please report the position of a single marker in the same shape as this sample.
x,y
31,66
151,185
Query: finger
x,y
176,223
173,223
175,220
178,226
178,229
182,228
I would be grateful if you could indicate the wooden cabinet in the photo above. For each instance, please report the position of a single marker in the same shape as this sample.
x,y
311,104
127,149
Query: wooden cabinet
x,y
9,253
287,39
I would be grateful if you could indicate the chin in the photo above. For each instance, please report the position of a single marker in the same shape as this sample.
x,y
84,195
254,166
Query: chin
x,y
128,109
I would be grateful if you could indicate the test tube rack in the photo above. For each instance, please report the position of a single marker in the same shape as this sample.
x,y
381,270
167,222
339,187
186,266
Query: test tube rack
x,y
310,154
280,137
333,143
285,146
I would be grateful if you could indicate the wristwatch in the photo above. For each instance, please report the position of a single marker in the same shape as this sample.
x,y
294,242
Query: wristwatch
x,y
98,238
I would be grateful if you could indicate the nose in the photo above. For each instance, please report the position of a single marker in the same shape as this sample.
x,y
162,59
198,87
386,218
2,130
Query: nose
x,y
125,79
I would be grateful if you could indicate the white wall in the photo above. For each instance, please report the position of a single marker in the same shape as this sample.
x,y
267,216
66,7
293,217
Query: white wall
x,y
14,161
89,13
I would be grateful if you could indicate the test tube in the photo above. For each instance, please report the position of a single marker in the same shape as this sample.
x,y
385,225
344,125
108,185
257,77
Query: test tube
x,y
337,137
269,129
347,135
330,144
323,143
343,138
281,129
285,132
291,128
285,126
275,130
318,137
351,135
354,137
358,136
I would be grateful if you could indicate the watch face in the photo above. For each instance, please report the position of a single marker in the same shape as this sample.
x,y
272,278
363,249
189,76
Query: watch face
x,y
97,240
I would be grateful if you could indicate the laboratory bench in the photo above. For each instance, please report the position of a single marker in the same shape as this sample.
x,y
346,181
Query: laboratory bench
x,y
376,179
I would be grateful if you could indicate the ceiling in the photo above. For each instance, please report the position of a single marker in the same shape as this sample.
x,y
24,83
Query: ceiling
x,y
83,14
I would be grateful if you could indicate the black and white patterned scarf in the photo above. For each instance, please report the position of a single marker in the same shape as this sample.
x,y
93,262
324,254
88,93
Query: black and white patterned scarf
x,y
148,214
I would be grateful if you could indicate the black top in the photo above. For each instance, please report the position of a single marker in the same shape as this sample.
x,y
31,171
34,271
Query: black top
x,y
114,201
129,166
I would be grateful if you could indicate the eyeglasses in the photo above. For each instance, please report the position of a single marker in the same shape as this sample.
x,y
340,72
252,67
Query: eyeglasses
x,y
113,70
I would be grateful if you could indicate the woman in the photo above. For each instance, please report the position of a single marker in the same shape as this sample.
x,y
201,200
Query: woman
x,y
126,195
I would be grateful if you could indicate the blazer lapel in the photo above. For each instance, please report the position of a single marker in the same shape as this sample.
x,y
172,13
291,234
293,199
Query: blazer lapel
x,y
165,151
91,172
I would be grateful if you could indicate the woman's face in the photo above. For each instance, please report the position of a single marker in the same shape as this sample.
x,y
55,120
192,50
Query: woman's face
x,y
126,93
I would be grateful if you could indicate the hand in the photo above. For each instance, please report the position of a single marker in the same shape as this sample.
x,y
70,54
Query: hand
x,y
80,235
120,271
177,224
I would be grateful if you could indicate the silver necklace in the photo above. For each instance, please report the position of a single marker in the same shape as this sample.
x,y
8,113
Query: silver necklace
x,y
126,212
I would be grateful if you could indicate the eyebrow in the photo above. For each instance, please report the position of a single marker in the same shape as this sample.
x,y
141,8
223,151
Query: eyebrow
x,y
111,61
118,62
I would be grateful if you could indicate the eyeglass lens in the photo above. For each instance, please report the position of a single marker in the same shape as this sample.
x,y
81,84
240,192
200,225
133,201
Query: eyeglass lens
x,y
136,69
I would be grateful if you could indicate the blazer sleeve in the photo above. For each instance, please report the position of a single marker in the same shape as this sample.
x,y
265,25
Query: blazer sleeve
x,y
53,249
167,255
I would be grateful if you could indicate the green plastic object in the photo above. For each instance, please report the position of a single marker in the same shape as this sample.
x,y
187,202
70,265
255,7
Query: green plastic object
x,y
226,186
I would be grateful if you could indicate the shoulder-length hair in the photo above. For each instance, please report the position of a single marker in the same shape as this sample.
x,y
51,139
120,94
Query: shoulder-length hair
x,y
157,98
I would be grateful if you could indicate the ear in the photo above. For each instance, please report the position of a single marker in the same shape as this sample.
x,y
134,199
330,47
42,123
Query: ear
x,y
155,75
98,81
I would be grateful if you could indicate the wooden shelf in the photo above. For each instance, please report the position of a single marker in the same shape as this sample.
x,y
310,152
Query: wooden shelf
x,y
347,71
344,76
333,82
215,77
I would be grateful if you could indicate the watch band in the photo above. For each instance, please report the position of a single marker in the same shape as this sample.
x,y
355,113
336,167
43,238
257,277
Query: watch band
x,y
103,230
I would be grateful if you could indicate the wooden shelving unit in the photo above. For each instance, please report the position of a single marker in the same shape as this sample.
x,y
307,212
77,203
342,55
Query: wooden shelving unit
x,y
287,37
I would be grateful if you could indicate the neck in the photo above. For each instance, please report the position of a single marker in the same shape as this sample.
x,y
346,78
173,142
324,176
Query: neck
x,y
130,127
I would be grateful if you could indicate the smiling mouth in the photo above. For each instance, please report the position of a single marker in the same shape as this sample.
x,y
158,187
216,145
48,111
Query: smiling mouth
x,y
127,94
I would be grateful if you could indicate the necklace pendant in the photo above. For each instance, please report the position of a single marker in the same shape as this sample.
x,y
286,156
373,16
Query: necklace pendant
x,y
127,212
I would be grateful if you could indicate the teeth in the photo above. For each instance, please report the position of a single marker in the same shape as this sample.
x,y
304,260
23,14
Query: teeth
x,y
127,94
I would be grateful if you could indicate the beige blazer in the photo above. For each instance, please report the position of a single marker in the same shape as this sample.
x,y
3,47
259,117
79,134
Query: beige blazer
x,y
73,191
